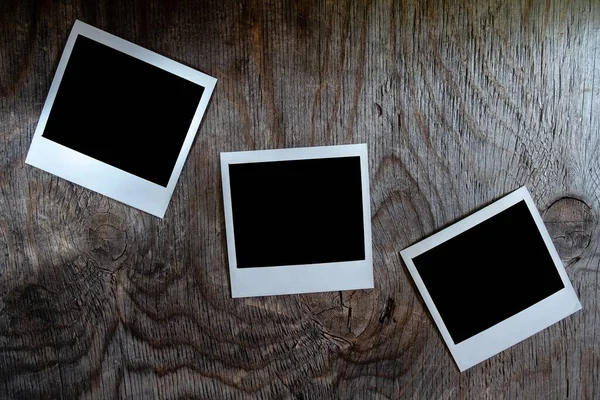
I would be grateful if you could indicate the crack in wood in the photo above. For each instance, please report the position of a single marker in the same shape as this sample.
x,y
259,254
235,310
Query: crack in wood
x,y
387,311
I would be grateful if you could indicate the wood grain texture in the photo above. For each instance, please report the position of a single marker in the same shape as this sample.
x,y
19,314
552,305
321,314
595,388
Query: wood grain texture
x,y
460,103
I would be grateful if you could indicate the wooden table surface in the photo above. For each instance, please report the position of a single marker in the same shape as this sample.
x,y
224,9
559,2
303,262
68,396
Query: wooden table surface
x,y
460,103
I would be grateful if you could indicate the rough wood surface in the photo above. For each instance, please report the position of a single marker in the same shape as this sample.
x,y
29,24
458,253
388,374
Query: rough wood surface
x,y
460,103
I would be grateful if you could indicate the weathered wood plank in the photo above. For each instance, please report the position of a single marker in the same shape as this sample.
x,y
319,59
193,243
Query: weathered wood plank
x,y
460,103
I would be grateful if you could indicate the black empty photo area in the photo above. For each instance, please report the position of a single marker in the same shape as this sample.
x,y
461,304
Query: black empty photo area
x,y
489,273
297,212
122,111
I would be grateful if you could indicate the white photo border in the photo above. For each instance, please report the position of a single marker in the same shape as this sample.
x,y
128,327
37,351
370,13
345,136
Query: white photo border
x,y
513,329
96,175
310,278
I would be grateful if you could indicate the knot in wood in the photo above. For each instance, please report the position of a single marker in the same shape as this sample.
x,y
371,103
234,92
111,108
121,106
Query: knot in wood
x,y
571,224
107,239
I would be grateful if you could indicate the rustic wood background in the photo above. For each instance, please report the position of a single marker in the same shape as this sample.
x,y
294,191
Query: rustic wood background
x,y
460,103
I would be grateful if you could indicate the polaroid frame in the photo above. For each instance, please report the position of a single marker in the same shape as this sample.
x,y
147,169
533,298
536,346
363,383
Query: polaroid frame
x,y
514,329
97,175
308,278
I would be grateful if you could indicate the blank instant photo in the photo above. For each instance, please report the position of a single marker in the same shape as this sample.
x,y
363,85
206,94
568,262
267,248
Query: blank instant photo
x,y
297,220
119,119
492,279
